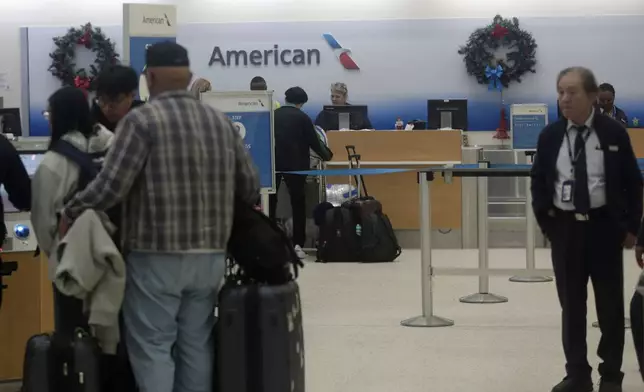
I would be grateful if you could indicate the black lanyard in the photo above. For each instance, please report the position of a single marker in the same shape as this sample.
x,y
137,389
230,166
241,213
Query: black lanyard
x,y
573,160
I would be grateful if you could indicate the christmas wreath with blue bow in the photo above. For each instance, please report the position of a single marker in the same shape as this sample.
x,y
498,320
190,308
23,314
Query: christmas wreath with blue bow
x,y
480,53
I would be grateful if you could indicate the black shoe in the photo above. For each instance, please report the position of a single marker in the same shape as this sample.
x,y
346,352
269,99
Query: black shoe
x,y
608,386
575,385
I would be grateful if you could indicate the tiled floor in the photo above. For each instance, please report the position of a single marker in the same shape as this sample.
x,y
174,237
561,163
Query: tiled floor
x,y
354,341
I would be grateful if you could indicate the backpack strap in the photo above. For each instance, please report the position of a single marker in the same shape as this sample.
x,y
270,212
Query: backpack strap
x,y
85,161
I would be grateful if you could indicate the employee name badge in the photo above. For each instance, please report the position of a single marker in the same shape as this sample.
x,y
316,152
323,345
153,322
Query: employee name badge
x,y
566,191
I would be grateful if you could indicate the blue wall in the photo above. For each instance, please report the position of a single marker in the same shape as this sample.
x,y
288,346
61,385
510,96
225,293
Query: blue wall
x,y
402,63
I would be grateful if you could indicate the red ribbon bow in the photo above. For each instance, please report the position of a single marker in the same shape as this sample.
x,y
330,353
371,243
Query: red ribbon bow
x,y
81,82
86,39
499,31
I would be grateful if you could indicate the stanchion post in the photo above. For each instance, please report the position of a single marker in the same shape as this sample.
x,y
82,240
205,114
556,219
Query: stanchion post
x,y
530,236
427,319
483,296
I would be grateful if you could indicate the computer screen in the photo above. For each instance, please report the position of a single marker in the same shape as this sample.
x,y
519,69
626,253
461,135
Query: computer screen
x,y
10,121
447,113
346,116
31,162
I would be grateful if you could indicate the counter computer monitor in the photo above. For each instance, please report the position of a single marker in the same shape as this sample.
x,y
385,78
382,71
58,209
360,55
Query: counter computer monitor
x,y
349,116
30,162
10,121
447,113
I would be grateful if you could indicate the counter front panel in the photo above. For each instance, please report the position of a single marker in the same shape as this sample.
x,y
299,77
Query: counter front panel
x,y
398,192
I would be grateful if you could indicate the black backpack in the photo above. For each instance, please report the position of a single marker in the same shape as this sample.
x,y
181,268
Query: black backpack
x,y
89,164
260,248
338,241
378,242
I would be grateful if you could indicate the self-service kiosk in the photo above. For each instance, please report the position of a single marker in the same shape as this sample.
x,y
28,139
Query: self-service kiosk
x,y
27,307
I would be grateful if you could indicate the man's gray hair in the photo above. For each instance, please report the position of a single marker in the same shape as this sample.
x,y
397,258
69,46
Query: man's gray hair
x,y
588,79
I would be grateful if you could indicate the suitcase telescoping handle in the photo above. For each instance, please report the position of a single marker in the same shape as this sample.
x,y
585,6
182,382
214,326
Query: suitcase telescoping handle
x,y
354,161
351,150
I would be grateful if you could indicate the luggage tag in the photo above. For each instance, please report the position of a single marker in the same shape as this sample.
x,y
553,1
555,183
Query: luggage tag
x,y
566,191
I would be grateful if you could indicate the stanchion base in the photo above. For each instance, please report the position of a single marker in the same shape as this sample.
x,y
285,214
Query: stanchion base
x,y
531,279
430,321
480,298
627,324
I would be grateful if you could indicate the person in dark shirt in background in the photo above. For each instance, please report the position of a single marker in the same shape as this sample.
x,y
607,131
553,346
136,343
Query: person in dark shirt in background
x,y
15,179
606,103
295,136
259,84
116,89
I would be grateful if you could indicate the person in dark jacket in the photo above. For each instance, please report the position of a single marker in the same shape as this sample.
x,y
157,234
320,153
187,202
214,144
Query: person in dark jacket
x,y
116,89
587,198
15,180
606,102
295,136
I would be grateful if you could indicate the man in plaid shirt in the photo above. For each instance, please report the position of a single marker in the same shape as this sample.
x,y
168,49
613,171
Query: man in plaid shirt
x,y
177,165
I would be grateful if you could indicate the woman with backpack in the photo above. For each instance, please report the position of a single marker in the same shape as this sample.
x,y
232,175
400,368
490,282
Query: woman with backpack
x,y
74,133
56,178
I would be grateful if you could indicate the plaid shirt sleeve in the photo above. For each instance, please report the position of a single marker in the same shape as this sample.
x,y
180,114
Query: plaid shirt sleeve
x,y
123,163
246,176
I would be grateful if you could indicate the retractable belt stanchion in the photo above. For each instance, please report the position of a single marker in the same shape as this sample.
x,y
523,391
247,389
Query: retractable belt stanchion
x,y
530,237
483,296
427,319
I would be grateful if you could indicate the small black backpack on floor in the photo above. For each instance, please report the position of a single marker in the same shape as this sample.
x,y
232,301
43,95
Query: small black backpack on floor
x,y
338,241
378,242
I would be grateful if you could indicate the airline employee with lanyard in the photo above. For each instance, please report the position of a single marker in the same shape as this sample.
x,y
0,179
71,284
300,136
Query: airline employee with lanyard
x,y
587,199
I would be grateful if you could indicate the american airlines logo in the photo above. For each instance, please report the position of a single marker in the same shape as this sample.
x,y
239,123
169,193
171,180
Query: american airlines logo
x,y
157,20
251,103
343,54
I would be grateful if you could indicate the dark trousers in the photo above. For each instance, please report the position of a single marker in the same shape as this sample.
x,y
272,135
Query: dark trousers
x,y
68,314
637,327
297,191
116,371
583,250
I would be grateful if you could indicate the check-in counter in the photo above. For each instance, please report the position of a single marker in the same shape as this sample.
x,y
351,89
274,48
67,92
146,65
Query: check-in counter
x,y
637,140
27,310
398,192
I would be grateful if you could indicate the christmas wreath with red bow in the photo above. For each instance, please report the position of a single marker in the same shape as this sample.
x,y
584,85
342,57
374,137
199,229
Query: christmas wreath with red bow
x,y
479,53
63,58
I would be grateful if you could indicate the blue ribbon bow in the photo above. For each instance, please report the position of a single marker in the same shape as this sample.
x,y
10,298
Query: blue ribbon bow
x,y
494,76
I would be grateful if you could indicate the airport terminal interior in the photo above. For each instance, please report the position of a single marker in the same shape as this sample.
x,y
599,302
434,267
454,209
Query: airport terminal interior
x,y
445,139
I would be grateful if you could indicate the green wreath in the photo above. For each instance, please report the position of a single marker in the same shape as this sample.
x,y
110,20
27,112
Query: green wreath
x,y
479,53
63,58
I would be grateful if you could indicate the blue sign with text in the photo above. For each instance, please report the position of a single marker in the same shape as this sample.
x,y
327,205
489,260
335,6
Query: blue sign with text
x,y
255,129
526,129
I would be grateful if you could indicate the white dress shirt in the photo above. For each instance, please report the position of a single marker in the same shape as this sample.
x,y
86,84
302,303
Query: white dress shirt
x,y
594,165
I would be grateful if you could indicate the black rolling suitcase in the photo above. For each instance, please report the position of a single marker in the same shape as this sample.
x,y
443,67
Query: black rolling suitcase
x,y
260,340
62,363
